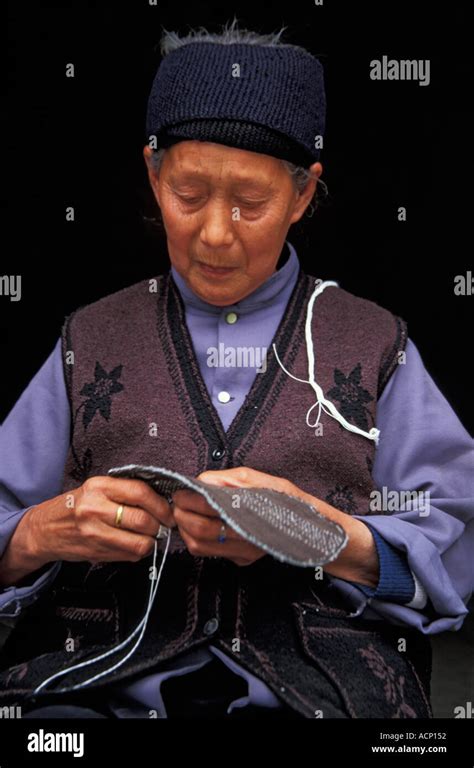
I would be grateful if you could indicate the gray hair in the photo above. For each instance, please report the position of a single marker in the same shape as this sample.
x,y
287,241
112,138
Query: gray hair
x,y
230,35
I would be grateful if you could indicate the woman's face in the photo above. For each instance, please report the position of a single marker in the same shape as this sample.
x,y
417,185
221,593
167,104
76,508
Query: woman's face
x,y
226,213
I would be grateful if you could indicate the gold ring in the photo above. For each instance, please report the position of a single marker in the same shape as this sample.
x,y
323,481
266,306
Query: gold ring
x,y
119,515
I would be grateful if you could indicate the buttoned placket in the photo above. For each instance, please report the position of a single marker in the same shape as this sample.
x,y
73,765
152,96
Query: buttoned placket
x,y
224,382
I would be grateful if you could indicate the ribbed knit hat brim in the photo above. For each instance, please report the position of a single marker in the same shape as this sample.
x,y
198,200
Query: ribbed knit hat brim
x,y
268,99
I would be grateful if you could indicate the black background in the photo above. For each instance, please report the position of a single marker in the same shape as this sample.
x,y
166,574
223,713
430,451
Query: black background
x,y
78,141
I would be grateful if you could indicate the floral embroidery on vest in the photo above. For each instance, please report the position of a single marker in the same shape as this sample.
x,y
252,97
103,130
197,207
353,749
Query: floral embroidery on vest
x,y
82,469
393,686
98,394
351,396
342,498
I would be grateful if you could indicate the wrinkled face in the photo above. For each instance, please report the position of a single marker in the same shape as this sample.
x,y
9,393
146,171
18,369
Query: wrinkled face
x,y
226,213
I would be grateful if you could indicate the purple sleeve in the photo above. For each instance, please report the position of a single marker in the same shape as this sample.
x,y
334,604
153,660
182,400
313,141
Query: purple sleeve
x,y
34,442
396,582
424,447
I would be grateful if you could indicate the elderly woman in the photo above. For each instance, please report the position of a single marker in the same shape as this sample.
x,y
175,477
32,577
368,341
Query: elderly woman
x,y
338,411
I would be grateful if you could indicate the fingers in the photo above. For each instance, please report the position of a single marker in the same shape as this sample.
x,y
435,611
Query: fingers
x,y
130,493
200,527
137,493
96,535
201,547
244,477
115,544
194,502
133,519
201,536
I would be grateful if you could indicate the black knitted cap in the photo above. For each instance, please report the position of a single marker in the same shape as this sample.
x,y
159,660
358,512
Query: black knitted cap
x,y
276,105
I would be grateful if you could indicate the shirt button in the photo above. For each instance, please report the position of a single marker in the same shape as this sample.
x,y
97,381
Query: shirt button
x,y
211,626
231,318
217,453
223,397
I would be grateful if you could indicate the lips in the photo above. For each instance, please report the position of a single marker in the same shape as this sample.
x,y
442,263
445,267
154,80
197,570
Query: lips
x,y
215,270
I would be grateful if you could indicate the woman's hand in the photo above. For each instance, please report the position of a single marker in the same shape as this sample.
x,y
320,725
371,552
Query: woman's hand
x,y
80,525
200,526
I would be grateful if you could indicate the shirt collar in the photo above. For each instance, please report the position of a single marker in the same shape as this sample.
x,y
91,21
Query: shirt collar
x,y
265,294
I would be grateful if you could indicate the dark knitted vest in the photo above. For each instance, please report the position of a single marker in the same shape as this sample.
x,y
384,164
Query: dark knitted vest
x,y
137,396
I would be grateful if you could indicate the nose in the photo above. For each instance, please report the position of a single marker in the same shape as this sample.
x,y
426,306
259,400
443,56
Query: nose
x,y
217,225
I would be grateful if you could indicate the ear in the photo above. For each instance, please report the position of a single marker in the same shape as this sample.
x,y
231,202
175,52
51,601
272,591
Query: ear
x,y
147,155
304,198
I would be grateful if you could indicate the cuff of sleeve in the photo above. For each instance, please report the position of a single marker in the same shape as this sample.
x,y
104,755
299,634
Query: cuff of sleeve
x,y
396,580
14,599
420,597
8,525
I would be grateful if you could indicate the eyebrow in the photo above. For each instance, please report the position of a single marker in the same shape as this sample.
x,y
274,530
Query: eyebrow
x,y
242,181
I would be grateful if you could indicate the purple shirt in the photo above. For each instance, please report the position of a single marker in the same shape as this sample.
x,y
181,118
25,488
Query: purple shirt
x,y
422,446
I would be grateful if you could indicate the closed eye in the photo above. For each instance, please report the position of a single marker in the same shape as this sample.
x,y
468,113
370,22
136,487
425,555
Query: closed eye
x,y
190,200
252,203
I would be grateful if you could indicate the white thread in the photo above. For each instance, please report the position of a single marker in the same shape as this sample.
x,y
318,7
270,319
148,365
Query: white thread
x,y
143,623
321,401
